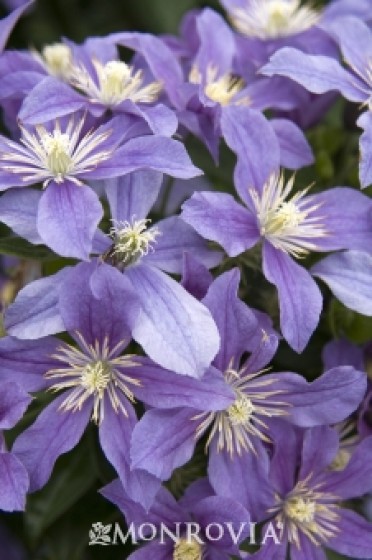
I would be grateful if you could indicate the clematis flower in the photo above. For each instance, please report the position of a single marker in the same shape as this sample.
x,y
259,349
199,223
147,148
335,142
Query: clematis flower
x,y
289,224
320,74
307,497
235,435
13,475
175,329
95,380
90,77
199,507
63,158
200,78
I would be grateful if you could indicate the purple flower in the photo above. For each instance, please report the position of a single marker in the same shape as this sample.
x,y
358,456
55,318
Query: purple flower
x,y
95,381
201,78
13,475
63,158
165,439
307,497
174,329
289,225
320,74
219,524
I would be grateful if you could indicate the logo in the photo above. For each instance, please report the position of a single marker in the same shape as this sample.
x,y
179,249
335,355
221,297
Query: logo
x,y
99,534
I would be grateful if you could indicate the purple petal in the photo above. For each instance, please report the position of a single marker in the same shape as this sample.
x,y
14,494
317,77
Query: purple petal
x,y
147,152
26,361
318,74
354,535
14,483
223,511
18,210
218,217
307,550
49,100
196,278
295,151
55,432
175,330
7,24
160,119
163,440
68,217
356,479
342,352
300,300
355,40
115,434
217,45
348,275
285,456
235,321
365,166
13,404
165,509
153,550
133,196
327,400
105,311
161,388
35,312
176,237
243,478
19,83
320,446
347,217
253,140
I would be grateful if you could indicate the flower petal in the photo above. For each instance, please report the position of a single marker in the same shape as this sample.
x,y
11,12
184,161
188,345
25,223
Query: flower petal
x,y
300,299
14,483
68,217
295,151
174,329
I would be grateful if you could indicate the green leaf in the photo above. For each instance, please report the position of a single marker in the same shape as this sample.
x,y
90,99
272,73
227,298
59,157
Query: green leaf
x,y
344,322
19,247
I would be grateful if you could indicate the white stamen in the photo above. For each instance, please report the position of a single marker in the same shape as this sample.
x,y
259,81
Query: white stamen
x,y
223,89
116,82
288,224
132,240
94,372
271,19
56,59
238,425
55,155
309,511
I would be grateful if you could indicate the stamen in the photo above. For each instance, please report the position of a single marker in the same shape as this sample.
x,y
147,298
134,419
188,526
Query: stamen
x,y
94,372
117,82
56,59
288,224
271,19
307,510
223,89
236,427
55,155
132,240
187,550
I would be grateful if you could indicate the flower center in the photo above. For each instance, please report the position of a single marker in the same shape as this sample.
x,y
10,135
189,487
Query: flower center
x,y
96,376
132,240
300,509
57,148
113,79
221,89
94,372
241,411
271,19
290,225
57,59
187,550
